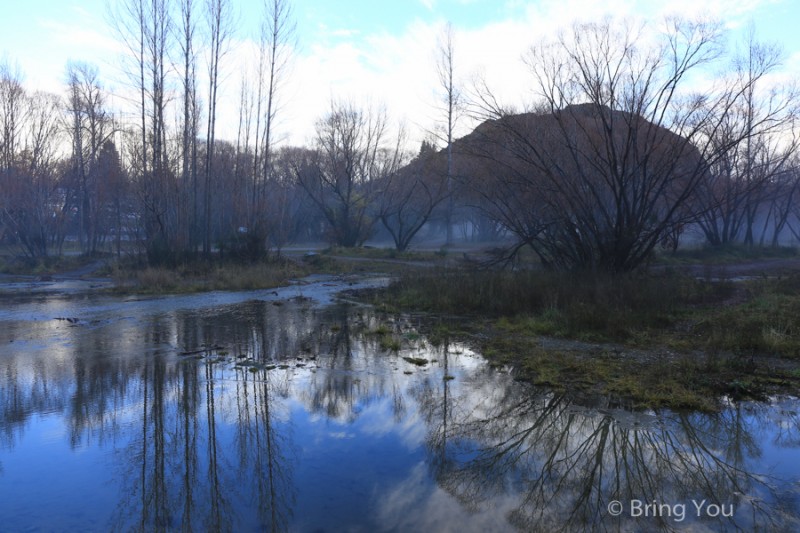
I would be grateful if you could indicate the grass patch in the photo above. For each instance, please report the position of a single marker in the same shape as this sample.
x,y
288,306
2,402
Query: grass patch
x,y
726,254
387,341
18,265
660,340
766,322
197,277
635,377
588,307
341,262
624,380
381,330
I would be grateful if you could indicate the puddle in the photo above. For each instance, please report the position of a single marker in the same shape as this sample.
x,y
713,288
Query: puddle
x,y
225,411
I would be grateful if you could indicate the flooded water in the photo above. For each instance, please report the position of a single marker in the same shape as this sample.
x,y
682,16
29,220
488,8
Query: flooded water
x,y
268,411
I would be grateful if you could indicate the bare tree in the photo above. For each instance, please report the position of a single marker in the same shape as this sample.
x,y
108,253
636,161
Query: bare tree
x,y
618,148
189,123
30,206
783,192
145,27
755,139
129,21
452,102
409,194
340,177
220,26
284,204
12,98
91,128
276,41
292,214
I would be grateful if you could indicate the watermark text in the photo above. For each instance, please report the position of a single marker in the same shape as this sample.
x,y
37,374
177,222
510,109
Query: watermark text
x,y
677,512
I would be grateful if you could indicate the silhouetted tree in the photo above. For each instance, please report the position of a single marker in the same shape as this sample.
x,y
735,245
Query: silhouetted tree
x,y
451,105
91,128
617,149
409,195
755,139
340,176
220,26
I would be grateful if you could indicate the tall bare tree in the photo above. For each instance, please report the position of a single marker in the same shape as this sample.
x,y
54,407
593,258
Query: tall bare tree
x,y
451,106
276,42
219,18
12,113
129,21
189,122
91,128
145,27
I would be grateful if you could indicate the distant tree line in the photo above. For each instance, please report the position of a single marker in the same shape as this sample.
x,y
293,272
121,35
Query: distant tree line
x,y
628,143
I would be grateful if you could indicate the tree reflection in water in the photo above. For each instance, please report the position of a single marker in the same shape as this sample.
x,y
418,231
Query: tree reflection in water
x,y
218,445
566,464
211,440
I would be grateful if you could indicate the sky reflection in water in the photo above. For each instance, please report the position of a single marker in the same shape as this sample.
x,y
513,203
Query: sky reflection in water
x,y
171,418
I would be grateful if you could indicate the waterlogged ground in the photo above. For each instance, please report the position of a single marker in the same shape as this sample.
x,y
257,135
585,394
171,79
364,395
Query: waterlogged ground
x,y
283,410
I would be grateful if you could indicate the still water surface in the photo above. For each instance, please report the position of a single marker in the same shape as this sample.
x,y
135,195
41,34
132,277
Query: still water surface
x,y
268,412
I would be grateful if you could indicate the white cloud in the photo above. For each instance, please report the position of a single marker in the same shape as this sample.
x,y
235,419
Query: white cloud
x,y
395,69
399,69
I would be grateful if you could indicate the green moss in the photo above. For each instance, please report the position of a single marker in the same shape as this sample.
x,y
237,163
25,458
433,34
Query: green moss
x,y
641,378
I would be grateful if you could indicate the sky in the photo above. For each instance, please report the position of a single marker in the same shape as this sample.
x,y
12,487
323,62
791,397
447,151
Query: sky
x,y
376,53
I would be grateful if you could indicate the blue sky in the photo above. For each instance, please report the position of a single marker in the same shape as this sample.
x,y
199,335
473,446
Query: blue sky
x,y
367,50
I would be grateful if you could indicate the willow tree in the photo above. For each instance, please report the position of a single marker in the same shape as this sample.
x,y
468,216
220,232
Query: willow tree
x,y
409,194
617,147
